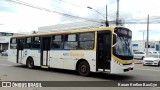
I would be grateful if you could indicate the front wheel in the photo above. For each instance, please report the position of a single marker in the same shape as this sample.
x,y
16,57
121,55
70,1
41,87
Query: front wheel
x,y
142,58
30,63
83,68
144,65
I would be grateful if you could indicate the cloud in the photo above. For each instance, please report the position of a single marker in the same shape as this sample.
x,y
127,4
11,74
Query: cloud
x,y
79,8
5,6
17,17
27,19
138,30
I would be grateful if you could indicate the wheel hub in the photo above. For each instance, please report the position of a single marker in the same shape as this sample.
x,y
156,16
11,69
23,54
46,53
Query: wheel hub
x,y
83,68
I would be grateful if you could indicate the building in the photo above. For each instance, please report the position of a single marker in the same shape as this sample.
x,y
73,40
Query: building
x,y
4,40
140,45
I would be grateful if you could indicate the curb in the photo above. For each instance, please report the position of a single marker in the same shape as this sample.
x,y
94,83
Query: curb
x,y
137,61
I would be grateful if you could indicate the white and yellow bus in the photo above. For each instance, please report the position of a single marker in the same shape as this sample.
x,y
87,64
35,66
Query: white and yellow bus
x,y
104,49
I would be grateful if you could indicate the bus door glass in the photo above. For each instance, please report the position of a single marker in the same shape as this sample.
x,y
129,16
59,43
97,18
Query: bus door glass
x,y
20,47
45,47
103,50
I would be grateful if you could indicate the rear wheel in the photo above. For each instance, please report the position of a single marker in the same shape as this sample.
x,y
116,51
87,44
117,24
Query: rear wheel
x,y
30,63
159,63
83,68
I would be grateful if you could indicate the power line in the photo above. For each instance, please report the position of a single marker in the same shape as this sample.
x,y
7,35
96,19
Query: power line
x,y
89,8
133,21
71,3
151,17
48,10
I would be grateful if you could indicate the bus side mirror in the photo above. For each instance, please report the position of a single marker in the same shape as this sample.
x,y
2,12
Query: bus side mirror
x,y
114,39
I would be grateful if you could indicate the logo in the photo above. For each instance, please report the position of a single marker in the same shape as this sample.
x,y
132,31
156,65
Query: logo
x,y
6,84
25,53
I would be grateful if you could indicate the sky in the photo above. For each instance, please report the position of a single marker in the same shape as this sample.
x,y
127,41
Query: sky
x,y
19,18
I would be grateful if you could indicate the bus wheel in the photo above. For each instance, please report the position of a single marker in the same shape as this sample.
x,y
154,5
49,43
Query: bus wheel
x,y
30,63
83,68
159,63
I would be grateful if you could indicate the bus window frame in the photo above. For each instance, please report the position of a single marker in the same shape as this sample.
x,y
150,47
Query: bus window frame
x,y
33,43
28,43
87,40
57,41
78,34
13,43
70,41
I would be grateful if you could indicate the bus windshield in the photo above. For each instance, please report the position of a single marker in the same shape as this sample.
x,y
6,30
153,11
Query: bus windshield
x,y
123,46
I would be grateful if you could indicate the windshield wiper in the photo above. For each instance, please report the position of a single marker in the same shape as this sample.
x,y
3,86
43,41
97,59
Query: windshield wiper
x,y
126,44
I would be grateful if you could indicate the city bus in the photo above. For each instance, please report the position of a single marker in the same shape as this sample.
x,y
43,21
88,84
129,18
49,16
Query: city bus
x,y
104,49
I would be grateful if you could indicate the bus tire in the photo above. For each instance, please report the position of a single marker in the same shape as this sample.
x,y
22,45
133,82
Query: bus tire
x,y
30,63
159,63
83,68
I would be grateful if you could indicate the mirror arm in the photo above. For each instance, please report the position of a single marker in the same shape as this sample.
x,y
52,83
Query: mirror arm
x,y
116,40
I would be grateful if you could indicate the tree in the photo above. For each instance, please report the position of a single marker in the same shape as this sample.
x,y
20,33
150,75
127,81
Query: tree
x,y
34,32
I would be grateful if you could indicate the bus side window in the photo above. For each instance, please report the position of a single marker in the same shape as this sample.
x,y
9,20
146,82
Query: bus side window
x,y
86,40
71,41
28,43
57,42
36,43
13,43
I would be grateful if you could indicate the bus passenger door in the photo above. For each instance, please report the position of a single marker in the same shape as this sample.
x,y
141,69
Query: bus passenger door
x,y
20,47
45,47
103,50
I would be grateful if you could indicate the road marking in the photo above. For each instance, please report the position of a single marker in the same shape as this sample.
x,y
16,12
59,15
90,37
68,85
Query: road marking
x,y
5,65
147,69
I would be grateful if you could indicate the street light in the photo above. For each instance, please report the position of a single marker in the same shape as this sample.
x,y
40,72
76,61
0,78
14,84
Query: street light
x,y
100,14
96,11
143,37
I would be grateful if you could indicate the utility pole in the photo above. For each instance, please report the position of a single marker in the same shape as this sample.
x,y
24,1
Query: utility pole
x,y
107,23
147,35
117,15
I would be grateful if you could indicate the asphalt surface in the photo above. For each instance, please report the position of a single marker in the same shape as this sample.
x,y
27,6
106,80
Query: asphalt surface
x,y
15,72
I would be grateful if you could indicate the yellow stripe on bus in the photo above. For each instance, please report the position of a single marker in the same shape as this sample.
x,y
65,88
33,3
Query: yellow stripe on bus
x,y
122,61
44,66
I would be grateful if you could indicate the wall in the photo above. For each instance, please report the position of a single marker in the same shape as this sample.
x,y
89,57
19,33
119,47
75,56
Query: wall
x,y
4,41
139,45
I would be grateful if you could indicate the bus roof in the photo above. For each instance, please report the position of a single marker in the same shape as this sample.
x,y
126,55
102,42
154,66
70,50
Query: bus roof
x,y
64,32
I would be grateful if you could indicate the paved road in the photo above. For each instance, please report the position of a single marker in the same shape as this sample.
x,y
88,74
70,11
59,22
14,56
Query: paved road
x,y
14,72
